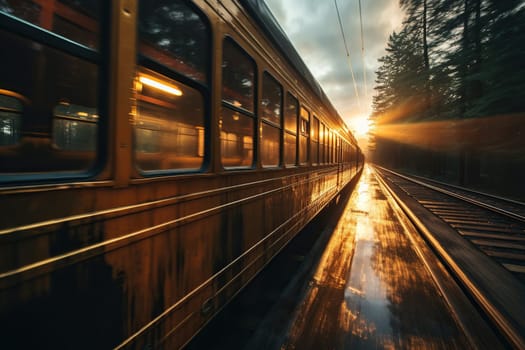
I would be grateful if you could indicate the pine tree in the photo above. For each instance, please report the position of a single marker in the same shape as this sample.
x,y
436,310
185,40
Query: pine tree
x,y
399,87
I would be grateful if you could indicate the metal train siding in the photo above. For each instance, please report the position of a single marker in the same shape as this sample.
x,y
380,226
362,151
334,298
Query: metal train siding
x,y
138,196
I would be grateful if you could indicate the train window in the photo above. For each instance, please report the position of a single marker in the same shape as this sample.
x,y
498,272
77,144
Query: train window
x,y
77,20
11,109
75,127
272,93
271,110
321,144
326,145
341,150
290,113
169,129
54,126
314,140
330,147
169,124
290,149
270,145
176,36
27,10
337,144
237,120
236,139
290,125
238,77
304,133
337,149
334,147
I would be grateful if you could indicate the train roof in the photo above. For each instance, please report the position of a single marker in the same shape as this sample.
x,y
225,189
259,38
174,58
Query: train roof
x,y
265,18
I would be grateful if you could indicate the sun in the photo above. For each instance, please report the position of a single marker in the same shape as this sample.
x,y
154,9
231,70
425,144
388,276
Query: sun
x,y
360,126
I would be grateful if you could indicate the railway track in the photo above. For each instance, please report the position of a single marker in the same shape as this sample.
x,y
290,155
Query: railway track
x,y
507,207
480,238
495,225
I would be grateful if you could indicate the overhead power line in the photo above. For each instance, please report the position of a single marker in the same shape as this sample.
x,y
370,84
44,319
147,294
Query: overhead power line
x,y
363,50
347,54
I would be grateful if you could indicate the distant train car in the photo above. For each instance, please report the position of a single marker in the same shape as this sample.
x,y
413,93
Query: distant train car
x,y
154,156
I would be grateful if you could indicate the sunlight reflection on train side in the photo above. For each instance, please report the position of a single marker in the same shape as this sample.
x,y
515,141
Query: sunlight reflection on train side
x,y
370,290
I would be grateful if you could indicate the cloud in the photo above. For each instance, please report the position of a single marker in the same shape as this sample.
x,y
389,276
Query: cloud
x,y
313,28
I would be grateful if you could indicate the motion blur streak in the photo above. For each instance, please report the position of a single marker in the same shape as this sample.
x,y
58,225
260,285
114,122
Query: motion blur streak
x,y
498,134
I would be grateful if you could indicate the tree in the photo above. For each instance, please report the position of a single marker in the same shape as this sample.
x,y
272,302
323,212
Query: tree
x,y
502,69
399,86
464,60
417,24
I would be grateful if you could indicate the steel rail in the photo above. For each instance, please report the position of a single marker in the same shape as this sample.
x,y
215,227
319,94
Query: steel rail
x,y
487,206
509,321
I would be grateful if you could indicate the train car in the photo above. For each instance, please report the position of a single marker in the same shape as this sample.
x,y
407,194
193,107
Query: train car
x,y
154,156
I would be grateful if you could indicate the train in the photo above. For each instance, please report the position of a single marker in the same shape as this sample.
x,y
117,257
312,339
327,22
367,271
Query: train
x,y
155,155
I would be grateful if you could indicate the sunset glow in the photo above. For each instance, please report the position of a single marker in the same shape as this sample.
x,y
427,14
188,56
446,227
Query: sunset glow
x,y
360,126
494,134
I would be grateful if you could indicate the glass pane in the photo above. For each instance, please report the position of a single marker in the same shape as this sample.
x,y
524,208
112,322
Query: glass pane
x,y
75,127
58,129
304,133
337,149
169,125
271,100
290,113
315,152
10,118
270,145
77,20
330,147
173,34
290,154
237,132
314,131
238,76
24,9
304,127
322,138
334,148
303,149
305,120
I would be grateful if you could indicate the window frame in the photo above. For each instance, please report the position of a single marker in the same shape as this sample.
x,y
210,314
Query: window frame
x,y
314,140
99,57
304,134
203,87
322,150
289,132
245,112
269,123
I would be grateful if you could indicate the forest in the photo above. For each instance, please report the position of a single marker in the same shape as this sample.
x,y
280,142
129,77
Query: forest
x,y
450,94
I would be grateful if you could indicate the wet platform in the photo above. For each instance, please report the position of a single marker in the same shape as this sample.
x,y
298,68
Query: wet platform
x,y
370,289
367,289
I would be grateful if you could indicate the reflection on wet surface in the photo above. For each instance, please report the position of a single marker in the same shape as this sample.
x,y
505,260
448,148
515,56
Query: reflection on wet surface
x,y
370,290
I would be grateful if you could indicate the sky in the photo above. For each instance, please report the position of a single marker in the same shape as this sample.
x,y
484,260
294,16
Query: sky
x,y
313,28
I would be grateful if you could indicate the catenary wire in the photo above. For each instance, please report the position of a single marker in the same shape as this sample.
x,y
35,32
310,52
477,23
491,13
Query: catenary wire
x,y
347,53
